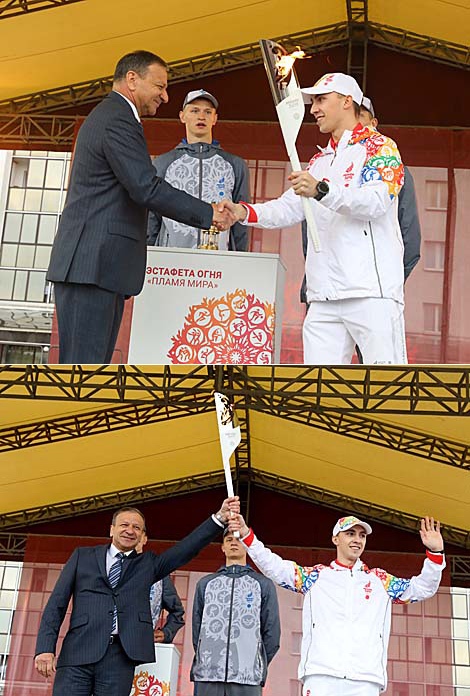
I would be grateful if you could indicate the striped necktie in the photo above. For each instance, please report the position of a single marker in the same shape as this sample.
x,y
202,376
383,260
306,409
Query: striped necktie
x,y
113,577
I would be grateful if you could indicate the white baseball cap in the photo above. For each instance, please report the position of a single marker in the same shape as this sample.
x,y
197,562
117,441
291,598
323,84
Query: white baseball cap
x,y
334,82
200,94
367,104
345,523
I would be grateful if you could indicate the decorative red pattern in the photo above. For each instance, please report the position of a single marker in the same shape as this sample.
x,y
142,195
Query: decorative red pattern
x,y
315,157
145,684
236,329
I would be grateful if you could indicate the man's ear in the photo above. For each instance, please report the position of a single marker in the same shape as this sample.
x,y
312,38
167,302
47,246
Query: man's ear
x,y
111,531
335,540
182,117
131,77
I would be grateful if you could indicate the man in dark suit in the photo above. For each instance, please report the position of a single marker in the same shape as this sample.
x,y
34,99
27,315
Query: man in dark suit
x,y
111,625
99,254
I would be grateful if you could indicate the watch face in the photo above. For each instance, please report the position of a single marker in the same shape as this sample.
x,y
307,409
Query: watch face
x,y
323,187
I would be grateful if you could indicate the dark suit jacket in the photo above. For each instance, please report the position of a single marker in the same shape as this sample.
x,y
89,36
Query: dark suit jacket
x,y
84,578
101,239
174,606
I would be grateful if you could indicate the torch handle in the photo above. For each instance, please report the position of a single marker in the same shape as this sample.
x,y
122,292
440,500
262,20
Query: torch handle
x,y
230,492
307,206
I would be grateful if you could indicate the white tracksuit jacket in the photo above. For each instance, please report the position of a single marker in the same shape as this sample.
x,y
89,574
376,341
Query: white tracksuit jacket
x,y
346,612
361,244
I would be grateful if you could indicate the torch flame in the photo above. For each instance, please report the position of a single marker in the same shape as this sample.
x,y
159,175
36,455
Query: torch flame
x,y
284,63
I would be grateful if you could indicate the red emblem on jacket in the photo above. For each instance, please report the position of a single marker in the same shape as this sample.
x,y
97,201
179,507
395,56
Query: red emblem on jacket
x,y
349,174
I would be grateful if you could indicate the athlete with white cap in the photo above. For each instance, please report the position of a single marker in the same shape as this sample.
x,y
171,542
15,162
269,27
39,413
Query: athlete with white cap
x,y
355,283
347,606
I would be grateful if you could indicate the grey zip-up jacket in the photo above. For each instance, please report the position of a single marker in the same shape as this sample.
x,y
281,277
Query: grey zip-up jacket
x,y
236,628
209,173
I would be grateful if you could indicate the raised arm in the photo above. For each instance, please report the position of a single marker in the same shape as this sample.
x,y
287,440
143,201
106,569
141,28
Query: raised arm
x,y
287,574
426,584
187,548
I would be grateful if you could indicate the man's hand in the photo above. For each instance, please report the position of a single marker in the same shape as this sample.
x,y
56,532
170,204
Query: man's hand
x,y
230,506
430,533
45,664
158,636
238,524
223,217
303,184
237,211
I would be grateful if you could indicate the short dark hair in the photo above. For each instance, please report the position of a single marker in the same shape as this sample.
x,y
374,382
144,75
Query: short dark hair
x,y
139,62
356,106
128,509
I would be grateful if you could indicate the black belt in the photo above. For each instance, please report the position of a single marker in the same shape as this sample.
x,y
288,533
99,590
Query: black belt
x,y
114,639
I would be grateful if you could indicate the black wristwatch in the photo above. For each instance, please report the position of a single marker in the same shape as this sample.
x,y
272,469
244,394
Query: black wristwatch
x,y
322,190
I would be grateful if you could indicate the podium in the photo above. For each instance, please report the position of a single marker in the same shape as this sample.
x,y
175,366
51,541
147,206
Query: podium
x,y
159,678
208,307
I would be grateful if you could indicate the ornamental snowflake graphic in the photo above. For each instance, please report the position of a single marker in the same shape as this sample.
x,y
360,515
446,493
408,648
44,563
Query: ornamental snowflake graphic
x,y
236,329
145,684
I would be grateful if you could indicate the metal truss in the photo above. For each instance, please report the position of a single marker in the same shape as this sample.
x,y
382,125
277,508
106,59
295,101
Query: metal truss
x,y
357,30
419,45
95,422
212,480
13,8
112,501
443,390
57,132
414,442
400,439
358,389
341,502
358,20
13,545
312,41
459,570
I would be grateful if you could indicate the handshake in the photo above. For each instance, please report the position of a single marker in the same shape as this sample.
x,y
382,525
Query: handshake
x,y
227,214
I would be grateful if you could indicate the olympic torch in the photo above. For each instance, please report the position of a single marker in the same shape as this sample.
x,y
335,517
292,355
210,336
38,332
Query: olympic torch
x,y
290,109
229,435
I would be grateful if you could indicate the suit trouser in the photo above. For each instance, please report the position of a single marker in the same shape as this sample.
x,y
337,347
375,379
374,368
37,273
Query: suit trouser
x,y
322,685
89,318
333,328
111,676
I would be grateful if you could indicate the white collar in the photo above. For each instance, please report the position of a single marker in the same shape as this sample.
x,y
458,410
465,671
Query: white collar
x,y
133,106
113,550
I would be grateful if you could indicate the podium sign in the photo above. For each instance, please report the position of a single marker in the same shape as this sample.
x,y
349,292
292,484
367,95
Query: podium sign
x,y
208,307
159,678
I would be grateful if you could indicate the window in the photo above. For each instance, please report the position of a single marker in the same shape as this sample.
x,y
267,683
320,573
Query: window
x,y
23,354
295,687
434,253
432,317
36,196
436,195
9,582
296,641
